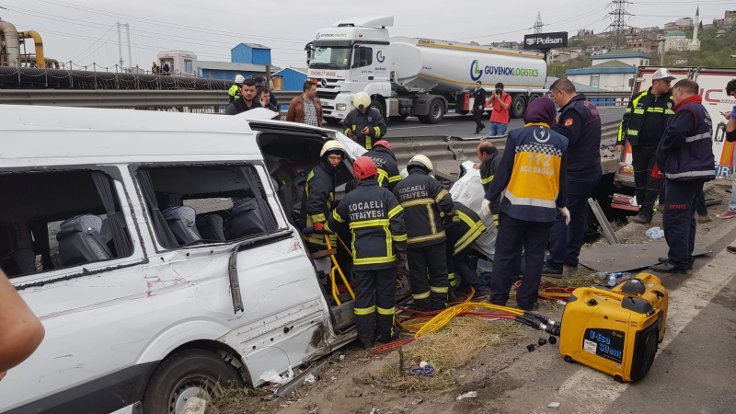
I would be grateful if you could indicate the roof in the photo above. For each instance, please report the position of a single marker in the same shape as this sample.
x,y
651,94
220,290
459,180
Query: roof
x,y
303,71
253,46
675,33
611,64
235,67
602,69
44,135
622,55
579,87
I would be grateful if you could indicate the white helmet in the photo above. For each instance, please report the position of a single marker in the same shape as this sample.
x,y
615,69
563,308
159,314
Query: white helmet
x,y
403,173
239,79
420,160
361,99
332,145
663,74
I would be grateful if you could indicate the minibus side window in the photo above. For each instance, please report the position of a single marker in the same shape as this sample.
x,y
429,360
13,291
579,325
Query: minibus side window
x,y
60,219
203,204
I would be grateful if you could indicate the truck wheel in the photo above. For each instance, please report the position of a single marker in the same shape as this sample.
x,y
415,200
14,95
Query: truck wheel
x,y
436,112
378,104
187,374
518,105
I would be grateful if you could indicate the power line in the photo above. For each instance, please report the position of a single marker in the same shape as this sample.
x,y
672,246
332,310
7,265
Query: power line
x,y
619,15
538,24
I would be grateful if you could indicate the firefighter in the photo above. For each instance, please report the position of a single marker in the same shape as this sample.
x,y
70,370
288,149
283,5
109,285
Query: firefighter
x,y
642,125
489,157
376,223
319,192
388,169
364,124
428,206
234,92
465,228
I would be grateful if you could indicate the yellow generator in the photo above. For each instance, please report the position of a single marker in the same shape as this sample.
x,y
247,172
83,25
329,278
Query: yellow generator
x,y
616,331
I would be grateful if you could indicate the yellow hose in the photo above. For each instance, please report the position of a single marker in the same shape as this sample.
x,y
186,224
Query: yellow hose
x,y
444,317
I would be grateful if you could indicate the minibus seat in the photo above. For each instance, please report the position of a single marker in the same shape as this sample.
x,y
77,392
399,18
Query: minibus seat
x,y
182,221
211,226
80,241
25,260
245,219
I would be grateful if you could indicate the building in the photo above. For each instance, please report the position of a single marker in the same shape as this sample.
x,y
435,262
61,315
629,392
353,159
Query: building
x,y
289,79
641,43
681,23
563,55
247,59
728,21
629,58
676,40
179,62
611,75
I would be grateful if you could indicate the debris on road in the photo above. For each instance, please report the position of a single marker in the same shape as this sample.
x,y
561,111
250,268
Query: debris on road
x,y
469,394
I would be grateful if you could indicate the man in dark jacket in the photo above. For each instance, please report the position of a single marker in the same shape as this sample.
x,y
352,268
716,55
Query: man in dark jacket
x,y
319,193
306,108
364,125
685,157
581,125
642,125
479,106
388,169
247,99
531,177
427,207
376,221
465,228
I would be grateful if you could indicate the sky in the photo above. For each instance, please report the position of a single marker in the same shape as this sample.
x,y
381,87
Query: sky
x,y
85,31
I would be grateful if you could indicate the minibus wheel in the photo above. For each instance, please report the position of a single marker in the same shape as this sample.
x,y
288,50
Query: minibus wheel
x,y
186,374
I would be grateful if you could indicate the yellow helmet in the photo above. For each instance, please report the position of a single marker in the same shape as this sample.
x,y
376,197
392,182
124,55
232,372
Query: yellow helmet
x,y
332,145
420,160
361,99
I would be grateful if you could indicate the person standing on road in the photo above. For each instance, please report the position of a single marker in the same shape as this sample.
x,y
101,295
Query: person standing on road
x,y
642,126
581,125
319,192
20,330
306,108
479,106
247,100
234,92
388,169
531,183
730,130
685,157
364,125
500,115
376,221
428,207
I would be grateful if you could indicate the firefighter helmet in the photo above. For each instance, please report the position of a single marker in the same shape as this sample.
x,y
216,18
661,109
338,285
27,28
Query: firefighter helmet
x,y
364,167
361,100
420,160
382,143
332,146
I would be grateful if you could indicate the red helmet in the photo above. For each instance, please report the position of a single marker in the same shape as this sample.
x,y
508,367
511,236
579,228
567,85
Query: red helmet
x,y
364,168
382,143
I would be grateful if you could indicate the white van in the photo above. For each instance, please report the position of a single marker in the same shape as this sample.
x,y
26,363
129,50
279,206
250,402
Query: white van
x,y
159,252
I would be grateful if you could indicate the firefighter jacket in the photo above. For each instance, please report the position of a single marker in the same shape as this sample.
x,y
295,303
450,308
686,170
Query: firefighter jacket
x,y
685,152
532,174
581,124
466,226
318,199
355,121
388,169
234,92
487,173
427,205
376,223
648,110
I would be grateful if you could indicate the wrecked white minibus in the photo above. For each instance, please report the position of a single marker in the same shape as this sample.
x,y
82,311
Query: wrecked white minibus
x,y
159,251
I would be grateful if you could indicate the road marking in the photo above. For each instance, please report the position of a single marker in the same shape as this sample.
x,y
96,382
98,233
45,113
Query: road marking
x,y
594,391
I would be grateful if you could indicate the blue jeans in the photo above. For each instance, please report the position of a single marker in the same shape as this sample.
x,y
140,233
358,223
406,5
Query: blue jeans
x,y
497,128
566,241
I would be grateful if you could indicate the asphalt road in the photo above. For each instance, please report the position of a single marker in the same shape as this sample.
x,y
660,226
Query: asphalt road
x,y
463,125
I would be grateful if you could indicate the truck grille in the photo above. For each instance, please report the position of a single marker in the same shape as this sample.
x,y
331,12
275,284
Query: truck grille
x,y
326,95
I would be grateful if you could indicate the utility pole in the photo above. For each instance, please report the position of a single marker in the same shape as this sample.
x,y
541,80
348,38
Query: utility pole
x,y
538,24
619,15
130,55
120,45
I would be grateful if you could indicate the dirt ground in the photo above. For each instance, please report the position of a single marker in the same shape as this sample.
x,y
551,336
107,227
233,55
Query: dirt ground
x,y
470,354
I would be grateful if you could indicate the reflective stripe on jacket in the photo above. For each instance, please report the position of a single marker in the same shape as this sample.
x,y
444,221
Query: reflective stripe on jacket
x,y
641,106
426,204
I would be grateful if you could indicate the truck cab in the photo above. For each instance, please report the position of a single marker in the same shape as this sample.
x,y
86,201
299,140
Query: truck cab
x,y
349,58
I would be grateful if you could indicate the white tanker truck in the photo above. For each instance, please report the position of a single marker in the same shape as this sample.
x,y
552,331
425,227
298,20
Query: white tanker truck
x,y
414,77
